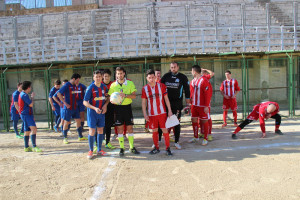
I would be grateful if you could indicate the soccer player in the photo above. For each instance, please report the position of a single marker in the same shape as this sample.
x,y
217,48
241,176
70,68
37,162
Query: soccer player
x,y
157,75
80,92
155,98
54,105
176,82
15,112
61,105
262,111
229,89
25,106
67,94
123,112
96,101
201,93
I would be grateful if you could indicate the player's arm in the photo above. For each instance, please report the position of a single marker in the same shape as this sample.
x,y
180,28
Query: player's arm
x,y
60,96
222,91
211,73
262,122
186,88
206,91
57,100
17,106
144,108
166,98
104,107
191,93
237,89
86,103
130,96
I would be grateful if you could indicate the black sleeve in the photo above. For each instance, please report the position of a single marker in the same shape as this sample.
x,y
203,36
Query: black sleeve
x,y
186,86
163,79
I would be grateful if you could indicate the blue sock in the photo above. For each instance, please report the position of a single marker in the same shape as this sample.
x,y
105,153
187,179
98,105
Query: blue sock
x,y
15,122
99,141
26,141
79,131
91,142
33,140
22,129
65,132
82,124
62,128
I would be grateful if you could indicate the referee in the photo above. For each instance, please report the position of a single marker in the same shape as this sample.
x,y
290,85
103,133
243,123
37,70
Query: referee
x,y
176,82
123,112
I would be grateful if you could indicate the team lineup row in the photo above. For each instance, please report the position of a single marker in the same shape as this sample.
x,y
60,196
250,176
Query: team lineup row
x,y
161,98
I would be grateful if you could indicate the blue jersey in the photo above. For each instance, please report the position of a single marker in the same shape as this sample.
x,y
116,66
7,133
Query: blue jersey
x,y
69,92
51,94
80,92
96,95
14,98
24,102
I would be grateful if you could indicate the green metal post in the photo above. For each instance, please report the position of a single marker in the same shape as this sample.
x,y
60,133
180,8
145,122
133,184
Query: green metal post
x,y
6,110
290,85
48,86
244,79
2,100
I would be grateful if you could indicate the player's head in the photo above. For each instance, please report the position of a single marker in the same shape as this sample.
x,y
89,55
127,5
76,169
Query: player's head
x,y
204,72
157,74
120,73
174,68
19,86
57,84
228,74
150,75
75,78
271,108
97,76
106,76
26,86
196,70
64,81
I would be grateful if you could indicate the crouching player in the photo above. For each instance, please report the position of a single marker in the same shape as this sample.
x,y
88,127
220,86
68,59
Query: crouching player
x,y
96,101
262,111
155,96
25,106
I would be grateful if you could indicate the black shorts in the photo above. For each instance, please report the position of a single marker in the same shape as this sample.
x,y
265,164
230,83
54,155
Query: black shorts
x,y
123,114
176,107
110,115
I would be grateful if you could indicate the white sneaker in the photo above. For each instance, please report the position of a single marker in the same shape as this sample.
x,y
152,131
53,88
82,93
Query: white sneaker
x,y
153,146
193,140
204,142
177,145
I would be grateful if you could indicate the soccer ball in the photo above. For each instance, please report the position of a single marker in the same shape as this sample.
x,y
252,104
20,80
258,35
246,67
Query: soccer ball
x,y
115,98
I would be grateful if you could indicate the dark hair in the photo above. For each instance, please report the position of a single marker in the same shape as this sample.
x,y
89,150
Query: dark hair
x,y
98,72
197,68
26,85
57,82
157,70
227,71
19,84
175,63
76,76
149,72
65,81
121,69
107,71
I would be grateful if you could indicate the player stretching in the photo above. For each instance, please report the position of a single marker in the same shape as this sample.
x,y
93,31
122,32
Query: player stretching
x,y
80,92
25,106
155,97
67,95
201,93
262,111
96,101
229,89
15,112
54,105
124,112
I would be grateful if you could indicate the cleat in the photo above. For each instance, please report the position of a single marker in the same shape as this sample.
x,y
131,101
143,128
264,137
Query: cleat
x,y
235,124
121,152
233,136
278,132
82,139
101,153
36,149
95,150
109,146
114,137
193,140
168,152
201,135
134,151
90,155
154,151
210,138
66,141
224,125
204,142
177,145
28,149
19,137
55,129
21,133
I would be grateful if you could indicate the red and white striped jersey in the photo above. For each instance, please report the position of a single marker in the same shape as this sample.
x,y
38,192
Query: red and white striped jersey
x,y
155,98
201,92
230,87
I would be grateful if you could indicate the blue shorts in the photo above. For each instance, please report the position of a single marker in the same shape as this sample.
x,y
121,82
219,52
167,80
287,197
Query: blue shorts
x,y
95,120
80,106
28,121
67,114
14,116
57,110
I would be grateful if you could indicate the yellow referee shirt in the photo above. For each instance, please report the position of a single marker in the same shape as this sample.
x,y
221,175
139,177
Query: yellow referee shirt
x,y
127,87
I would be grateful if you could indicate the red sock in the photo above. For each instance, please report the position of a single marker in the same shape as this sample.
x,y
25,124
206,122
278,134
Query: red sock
x,y
155,139
277,127
237,130
234,116
209,126
125,130
225,116
205,129
167,140
195,129
116,130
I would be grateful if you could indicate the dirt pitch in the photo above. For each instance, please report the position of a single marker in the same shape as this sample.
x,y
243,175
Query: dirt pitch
x,y
247,168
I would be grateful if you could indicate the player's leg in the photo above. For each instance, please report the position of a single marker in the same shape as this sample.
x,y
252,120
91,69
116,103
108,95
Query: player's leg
x,y
162,123
155,150
76,117
177,128
128,120
82,119
209,137
240,127
160,132
225,112
195,123
91,139
26,134
15,124
100,126
109,118
205,125
66,116
277,118
234,111
33,139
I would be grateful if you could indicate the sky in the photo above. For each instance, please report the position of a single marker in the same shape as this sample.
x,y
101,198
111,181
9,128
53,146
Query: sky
x,y
39,3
